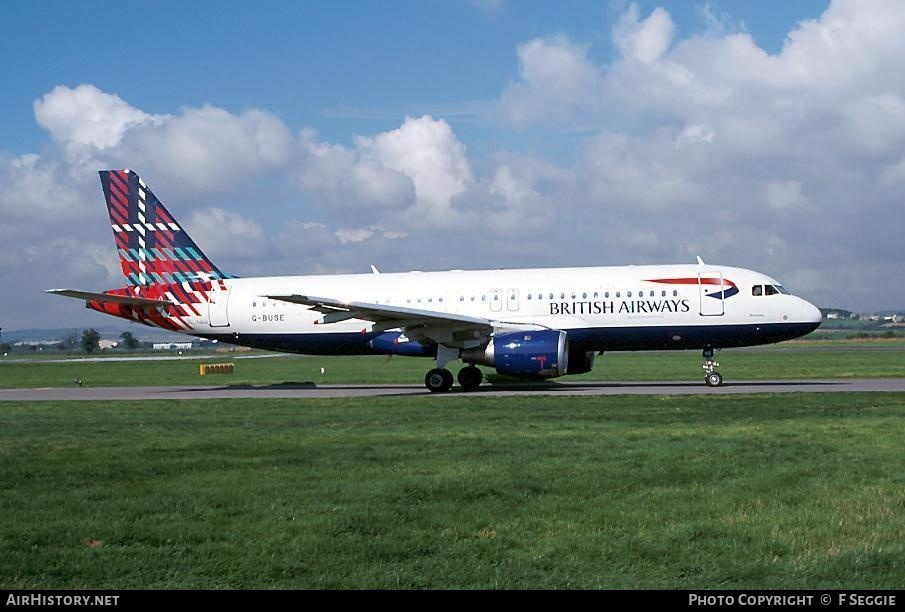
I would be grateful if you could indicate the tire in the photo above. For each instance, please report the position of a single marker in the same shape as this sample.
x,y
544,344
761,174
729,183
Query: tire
x,y
438,380
470,378
713,379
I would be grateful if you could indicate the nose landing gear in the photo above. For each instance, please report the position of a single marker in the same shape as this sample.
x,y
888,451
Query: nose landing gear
x,y
712,377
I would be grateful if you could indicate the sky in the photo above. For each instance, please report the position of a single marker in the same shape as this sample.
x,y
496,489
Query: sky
x,y
323,137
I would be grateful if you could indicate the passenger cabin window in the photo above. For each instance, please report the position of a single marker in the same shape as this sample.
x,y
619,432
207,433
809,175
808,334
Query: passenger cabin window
x,y
757,290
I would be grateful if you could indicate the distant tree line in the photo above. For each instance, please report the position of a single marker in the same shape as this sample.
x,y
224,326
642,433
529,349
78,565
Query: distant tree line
x,y
88,342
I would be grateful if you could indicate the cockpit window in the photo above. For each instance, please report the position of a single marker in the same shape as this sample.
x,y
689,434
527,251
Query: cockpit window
x,y
769,290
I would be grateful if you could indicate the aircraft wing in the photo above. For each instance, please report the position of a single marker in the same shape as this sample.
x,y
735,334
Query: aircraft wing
x,y
439,327
90,296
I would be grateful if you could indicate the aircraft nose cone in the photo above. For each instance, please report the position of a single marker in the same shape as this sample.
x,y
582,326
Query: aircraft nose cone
x,y
815,316
812,313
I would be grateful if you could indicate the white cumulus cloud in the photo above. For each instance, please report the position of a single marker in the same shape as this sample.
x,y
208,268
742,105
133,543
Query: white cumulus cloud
x,y
208,148
222,234
643,40
556,80
427,151
87,117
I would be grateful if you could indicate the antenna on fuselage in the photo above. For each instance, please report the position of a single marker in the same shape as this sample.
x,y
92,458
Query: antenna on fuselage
x,y
700,261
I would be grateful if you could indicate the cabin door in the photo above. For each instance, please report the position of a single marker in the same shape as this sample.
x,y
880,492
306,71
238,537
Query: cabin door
x,y
512,300
217,308
710,286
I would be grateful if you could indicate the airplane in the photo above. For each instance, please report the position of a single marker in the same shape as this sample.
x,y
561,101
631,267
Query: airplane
x,y
526,323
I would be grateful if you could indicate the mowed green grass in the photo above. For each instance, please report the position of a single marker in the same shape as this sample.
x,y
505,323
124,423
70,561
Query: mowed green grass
x,y
754,491
770,363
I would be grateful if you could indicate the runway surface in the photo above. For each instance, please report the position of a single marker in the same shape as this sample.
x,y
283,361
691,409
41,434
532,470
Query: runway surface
x,y
310,390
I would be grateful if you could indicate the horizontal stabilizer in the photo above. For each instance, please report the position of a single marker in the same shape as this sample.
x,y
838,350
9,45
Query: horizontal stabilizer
x,y
90,296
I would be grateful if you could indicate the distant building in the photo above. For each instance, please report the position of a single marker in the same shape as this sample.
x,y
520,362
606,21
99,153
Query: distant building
x,y
106,344
168,346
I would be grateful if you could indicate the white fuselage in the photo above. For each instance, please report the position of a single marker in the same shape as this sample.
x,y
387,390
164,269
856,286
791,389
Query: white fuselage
x,y
603,308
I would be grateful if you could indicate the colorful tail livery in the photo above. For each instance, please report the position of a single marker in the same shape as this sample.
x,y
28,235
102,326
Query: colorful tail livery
x,y
170,281
153,247
530,323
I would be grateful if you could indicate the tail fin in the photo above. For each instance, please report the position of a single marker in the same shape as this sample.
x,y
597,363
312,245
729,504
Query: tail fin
x,y
153,248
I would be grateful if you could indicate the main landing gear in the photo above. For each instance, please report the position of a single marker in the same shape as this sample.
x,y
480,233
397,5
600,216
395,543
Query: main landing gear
x,y
440,380
470,378
712,378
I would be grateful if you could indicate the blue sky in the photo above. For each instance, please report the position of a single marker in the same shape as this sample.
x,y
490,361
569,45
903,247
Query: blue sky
x,y
303,137
343,67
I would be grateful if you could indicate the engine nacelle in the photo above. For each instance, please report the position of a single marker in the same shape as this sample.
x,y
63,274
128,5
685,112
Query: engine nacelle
x,y
531,354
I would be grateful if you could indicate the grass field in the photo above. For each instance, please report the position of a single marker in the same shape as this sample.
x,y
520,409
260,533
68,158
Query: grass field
x,y
638,492
783,361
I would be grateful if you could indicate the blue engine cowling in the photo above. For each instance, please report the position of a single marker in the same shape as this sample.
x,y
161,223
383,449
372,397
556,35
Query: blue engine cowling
x,y
532,354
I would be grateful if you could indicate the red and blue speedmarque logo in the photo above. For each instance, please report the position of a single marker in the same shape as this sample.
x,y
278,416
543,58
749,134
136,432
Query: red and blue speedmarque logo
x,y
728,288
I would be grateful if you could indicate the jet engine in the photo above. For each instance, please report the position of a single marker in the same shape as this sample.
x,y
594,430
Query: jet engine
x,y
530,354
